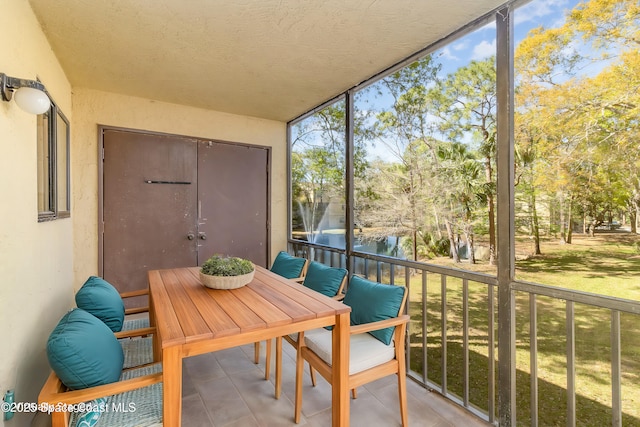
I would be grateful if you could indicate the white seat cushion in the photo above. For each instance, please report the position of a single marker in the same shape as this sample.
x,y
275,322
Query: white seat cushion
x,y
309,333
365,351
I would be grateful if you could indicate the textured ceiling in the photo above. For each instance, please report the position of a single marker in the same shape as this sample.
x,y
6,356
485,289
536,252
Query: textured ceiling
x,y
273,59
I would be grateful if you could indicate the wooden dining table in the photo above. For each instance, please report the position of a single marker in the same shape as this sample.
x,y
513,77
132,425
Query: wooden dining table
x,y
191,319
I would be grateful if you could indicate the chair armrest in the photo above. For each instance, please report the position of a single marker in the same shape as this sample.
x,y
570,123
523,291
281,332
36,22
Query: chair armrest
x,y
131,294
381,324
135,333
136,310
298,279
54,392
338,297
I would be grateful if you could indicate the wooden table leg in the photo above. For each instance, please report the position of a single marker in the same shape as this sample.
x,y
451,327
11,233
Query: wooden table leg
x,y
157,351
172,387
340,374
278,366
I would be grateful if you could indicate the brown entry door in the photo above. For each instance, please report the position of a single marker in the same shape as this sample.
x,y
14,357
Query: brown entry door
x,y
233,191
149,194
171,201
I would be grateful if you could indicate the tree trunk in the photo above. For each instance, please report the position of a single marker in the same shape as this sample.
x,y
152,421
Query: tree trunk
x,y
570,221
535,225
563,228
453,248
492,221
471,252
437,219
414,216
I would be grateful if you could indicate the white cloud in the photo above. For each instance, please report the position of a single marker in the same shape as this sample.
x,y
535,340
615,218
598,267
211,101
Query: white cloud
x,y
484,49
445,53
460,46
537,9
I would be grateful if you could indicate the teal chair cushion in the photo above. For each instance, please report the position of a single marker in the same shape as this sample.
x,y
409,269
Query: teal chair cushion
x,y
371,302
287,265
324,279
100,298
83,352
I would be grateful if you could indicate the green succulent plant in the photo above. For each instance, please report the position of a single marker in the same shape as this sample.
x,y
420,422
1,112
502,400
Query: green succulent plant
x,y
219,265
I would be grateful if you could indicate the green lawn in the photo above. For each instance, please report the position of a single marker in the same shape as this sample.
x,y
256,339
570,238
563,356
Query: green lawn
x,y
605,264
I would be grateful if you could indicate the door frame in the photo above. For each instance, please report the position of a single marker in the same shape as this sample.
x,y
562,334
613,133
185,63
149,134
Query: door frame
x,y
101,131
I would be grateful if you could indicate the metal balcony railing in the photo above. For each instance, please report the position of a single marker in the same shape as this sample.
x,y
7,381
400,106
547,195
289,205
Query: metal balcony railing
x,y
452,344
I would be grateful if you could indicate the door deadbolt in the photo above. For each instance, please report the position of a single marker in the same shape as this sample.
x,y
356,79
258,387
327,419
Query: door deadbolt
x,y
202,236
190,236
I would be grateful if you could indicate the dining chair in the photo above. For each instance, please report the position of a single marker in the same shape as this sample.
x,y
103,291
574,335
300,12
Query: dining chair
x,y
377,341
329,281
289,267
90,383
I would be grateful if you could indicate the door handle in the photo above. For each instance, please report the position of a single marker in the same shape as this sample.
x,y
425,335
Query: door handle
x,y
191,236
202,236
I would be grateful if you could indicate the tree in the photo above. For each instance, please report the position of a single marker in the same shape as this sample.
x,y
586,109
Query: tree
x,y
402,196
466,191
585,122
465,103
317,166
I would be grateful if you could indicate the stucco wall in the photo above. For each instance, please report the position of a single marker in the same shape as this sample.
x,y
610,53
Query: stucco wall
x,y
36,265
92,108
42,264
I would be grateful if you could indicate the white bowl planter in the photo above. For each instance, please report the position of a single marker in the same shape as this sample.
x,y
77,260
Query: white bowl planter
x,y
226,282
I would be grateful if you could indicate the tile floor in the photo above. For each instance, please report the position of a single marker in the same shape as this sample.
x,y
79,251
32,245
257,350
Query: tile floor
x,y
227,389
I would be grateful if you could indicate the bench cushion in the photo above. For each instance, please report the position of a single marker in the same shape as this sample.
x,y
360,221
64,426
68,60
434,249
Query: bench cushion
x,y
100,298
83,352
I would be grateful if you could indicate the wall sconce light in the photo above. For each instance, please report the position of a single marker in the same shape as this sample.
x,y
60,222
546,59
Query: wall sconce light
x,y
30,95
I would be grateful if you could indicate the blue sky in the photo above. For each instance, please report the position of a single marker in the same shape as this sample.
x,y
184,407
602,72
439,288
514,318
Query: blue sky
x,y
481,44
478,45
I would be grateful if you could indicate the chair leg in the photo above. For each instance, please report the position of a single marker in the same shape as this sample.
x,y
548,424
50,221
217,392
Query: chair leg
x,y
312,373
278,366
402,388
59,419
298,400
267,367
256,352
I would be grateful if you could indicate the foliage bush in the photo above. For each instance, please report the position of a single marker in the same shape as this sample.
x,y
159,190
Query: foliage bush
x,y
429,246
441,246
218,265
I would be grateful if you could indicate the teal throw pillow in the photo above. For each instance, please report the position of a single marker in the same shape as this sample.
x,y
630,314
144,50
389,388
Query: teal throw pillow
x,y
83,352
324,279
288,266
100,298
371,302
